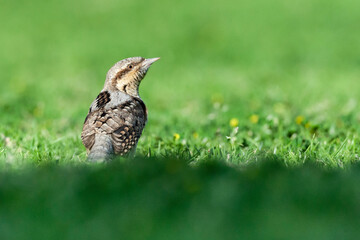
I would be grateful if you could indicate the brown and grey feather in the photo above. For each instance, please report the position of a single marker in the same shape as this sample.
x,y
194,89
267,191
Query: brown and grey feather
x,y
123,123
117,116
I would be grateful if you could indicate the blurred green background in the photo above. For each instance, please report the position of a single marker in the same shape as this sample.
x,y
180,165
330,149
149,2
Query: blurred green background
x,y
239,82
272,60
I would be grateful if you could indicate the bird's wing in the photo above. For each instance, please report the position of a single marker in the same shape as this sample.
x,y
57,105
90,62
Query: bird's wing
x,y
127,132
121,118
88,132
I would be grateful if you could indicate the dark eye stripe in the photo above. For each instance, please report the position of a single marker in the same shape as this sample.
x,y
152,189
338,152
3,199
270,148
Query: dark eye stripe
x,y
122,73
126,70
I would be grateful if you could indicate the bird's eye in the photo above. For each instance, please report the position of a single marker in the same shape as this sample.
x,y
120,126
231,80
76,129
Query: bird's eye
x,y
130,66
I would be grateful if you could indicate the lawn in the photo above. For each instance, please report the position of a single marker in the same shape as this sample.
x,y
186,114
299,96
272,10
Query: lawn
x,y
286,72
238,82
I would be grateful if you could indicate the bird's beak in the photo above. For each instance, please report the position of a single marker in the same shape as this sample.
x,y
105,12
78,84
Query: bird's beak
x,y
147,62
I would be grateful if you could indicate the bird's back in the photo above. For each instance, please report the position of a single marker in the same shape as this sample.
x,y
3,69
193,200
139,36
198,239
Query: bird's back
x,y
113,125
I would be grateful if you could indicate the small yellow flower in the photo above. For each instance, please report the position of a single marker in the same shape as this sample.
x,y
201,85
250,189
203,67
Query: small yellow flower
x,y
307,125
299,119
195,135
176,136
234,122
254,118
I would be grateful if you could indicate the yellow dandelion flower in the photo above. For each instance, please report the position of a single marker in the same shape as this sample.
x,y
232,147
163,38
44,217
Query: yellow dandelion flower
x,y
195,135
234,122
254,118
299,119
176,136
307,125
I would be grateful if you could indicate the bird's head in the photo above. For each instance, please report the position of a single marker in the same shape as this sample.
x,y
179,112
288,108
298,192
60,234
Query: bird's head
x,y
127,74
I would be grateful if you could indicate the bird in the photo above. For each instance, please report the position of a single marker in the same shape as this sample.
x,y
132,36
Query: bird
x,y
118,115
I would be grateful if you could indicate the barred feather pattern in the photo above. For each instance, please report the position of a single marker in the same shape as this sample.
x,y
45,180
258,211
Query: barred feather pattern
x,y
113,125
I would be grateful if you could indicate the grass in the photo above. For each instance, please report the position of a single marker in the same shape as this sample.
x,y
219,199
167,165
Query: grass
x,y
226,61
238,82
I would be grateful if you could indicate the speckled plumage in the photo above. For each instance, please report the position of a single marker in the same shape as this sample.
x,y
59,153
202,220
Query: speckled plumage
x,y
117,116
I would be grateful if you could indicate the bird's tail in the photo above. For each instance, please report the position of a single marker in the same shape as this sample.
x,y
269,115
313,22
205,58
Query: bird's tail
x,y
102,149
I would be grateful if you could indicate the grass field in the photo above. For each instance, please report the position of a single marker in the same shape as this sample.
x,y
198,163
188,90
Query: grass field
x,y
269,62
239,82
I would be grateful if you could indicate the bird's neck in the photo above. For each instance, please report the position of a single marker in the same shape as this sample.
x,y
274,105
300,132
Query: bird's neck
x,y
132,89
